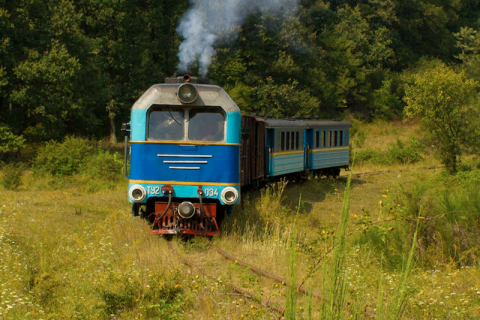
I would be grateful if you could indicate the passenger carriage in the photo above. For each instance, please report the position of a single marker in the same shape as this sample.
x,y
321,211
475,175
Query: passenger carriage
x,y
327,142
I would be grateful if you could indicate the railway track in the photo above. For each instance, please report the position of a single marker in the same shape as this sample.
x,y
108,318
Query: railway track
x,y
366,173
274,309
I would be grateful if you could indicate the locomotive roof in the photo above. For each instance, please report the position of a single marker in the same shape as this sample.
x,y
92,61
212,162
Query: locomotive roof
x,y
166,94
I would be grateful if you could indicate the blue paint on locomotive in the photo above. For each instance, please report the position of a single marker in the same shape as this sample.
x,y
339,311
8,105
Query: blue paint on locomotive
x,y
206,163
138,124
234,120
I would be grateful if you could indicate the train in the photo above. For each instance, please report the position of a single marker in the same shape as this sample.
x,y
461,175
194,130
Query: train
x,y
189,151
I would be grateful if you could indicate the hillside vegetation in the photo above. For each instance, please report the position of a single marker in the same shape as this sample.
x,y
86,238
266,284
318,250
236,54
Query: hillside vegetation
x,y
70,249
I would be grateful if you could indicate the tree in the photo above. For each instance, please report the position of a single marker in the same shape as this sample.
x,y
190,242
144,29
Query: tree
x,y
8,141
446,104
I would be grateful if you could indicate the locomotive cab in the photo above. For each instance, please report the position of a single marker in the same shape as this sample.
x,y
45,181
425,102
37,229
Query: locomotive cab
x,y
184,156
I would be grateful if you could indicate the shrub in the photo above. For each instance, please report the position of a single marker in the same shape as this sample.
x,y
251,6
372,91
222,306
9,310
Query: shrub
x,y
12,176
63,158
77,156
102,163
397,153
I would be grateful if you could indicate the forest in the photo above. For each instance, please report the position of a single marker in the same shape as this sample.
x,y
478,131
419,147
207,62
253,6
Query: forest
x,y
76,67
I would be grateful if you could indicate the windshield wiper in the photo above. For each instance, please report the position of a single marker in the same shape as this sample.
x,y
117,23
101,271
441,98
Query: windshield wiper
x,y
171,116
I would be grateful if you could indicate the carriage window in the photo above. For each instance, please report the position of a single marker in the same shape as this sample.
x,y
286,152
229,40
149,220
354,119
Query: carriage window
x,y
329,133
323,139
288,141
282,141
335,133
341,138
293,141
166,124
316,142
206,125
297,140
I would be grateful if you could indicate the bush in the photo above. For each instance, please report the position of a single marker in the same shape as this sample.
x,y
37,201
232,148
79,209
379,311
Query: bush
x,y
12,176
397,154
77,156
63,158
103,163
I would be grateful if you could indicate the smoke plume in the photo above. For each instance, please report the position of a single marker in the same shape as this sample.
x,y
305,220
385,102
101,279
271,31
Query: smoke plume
x,y
209,20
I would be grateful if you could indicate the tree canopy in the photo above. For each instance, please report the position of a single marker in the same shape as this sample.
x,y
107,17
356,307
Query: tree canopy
x,y
76,67
447,104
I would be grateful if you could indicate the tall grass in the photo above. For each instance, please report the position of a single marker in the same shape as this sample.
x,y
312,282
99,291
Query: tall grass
x,y
397,306
334,306
291,300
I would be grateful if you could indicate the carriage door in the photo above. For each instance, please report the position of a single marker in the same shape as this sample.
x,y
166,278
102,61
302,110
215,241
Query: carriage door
x,y
307,145
269,149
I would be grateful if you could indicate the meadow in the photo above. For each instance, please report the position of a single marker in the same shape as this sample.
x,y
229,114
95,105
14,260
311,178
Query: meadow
x,y
405,241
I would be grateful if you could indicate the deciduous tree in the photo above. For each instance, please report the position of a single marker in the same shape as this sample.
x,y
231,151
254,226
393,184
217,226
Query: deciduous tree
x,y
446,103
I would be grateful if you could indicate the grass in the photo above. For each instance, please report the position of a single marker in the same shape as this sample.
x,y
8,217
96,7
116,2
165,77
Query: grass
x,y
69,248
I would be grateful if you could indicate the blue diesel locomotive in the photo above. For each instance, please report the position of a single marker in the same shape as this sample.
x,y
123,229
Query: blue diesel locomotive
x,y
191,150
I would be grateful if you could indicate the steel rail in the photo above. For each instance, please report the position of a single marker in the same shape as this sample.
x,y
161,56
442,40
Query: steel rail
x,y
366,173
235,288
278,279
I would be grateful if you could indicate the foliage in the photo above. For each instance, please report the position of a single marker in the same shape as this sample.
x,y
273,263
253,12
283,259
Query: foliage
x,y
12,175
8,141
102,163
77,156
449,211
445,102
398,153
63,158
77,67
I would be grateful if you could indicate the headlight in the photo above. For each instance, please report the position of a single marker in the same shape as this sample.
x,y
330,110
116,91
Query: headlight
x,y
187,93
137,193
229,195
186,210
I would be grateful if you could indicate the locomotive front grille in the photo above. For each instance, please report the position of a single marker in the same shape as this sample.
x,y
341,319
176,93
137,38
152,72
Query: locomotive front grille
x,y
190,162
173,223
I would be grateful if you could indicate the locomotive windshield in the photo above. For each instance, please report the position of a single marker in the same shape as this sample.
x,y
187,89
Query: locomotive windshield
x,y
166,124
206,125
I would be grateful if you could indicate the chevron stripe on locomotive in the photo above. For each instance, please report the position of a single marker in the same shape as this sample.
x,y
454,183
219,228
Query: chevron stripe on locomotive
x,y
190,150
